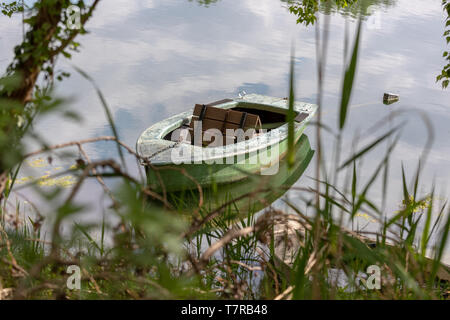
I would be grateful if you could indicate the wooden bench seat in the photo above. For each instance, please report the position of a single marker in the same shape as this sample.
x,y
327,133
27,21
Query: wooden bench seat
x,y
222,119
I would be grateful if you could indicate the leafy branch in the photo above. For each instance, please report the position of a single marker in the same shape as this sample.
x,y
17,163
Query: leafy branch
x,y
445,74
8,9
21,98
306,10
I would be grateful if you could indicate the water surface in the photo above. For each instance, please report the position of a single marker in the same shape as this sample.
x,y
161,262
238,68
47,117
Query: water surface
x,y
155,58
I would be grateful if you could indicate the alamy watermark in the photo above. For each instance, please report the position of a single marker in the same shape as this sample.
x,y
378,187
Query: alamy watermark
x,y
374,280
74,280
236,146
371,279
73,17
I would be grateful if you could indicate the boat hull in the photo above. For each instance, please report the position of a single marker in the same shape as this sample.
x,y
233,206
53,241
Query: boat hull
x,y
250,194
170,178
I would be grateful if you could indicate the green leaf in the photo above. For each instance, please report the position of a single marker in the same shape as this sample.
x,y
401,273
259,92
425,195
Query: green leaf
x,y
348,80
107,112
369,147
426,229
354,181
291,116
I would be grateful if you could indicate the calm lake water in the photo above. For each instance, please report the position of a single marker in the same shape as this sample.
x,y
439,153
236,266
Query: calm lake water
x,y
156,58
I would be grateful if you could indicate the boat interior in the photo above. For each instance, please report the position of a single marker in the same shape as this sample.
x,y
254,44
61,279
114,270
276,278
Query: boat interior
x,y
270,117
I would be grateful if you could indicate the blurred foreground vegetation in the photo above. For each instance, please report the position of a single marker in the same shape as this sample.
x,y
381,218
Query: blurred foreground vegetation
x,y
149,249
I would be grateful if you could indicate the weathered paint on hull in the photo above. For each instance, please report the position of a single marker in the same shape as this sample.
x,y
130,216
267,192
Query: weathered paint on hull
x,y
190,176
269,188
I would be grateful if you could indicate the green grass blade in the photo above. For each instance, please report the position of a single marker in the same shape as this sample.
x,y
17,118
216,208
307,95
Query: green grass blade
x,y
107,111
291,116
438,220
348,80
405,187
426,229
354,182
369,147
86,234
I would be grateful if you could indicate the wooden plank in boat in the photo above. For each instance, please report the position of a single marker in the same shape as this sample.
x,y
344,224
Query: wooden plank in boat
x,y
220,125
224,115
222,119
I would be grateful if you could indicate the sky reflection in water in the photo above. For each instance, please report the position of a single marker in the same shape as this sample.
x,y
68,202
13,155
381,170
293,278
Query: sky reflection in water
x,y
156,58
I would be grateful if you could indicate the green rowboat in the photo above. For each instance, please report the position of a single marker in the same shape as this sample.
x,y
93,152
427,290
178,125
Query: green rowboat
x,y
172,166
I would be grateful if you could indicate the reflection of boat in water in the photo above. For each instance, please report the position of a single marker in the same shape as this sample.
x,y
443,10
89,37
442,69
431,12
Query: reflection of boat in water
x,y
251,194
179,165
